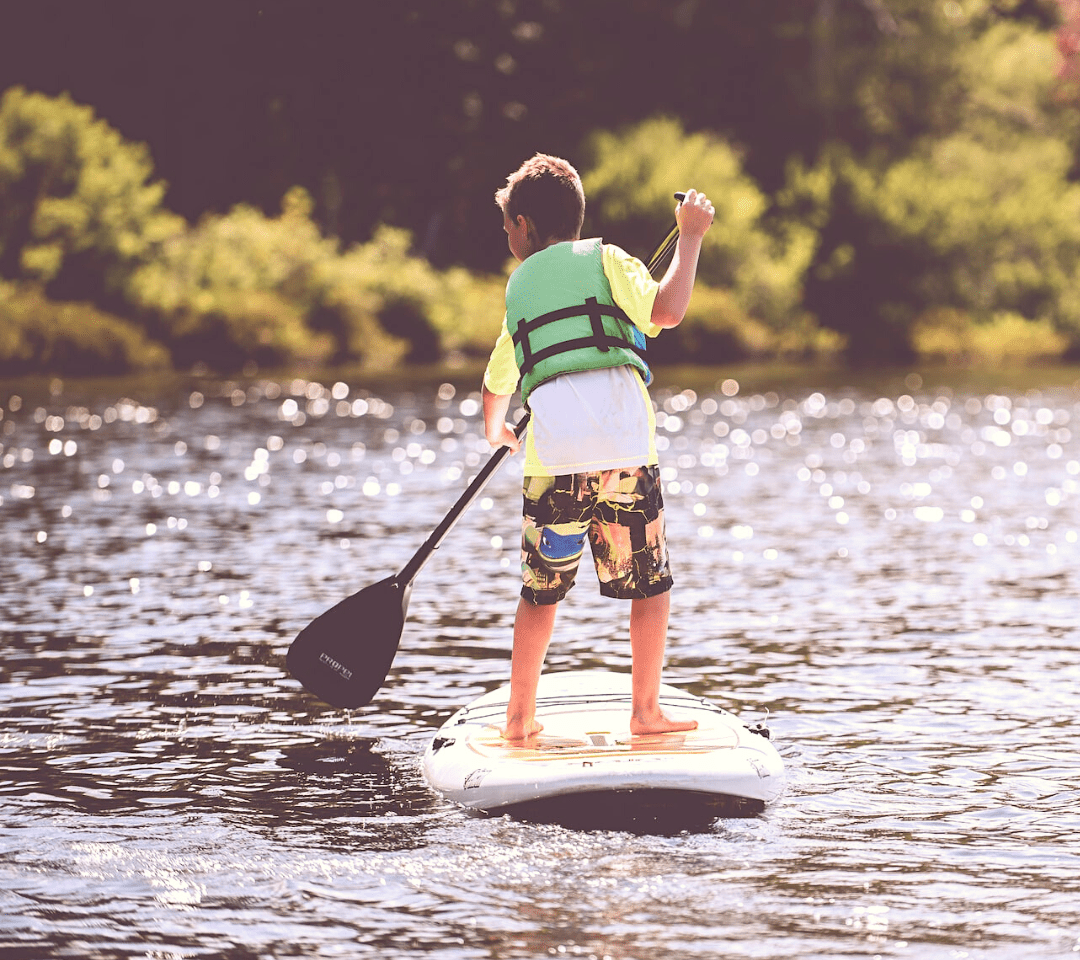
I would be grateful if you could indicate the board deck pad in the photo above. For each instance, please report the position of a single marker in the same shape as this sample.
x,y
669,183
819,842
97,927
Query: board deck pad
x,y
586,749
609,734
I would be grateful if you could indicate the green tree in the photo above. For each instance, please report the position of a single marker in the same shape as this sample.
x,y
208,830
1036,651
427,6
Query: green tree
x,y
240,287
992,203
977,215
79,211
245,287
42,335
388,304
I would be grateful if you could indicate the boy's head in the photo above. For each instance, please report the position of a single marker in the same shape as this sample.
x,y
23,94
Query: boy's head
x,y
547,191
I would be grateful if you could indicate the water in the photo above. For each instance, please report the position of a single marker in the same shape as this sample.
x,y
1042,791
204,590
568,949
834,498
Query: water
x,y
885,569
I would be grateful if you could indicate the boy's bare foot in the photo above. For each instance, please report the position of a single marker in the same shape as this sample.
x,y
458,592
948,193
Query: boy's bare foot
x,y
517,730
659,722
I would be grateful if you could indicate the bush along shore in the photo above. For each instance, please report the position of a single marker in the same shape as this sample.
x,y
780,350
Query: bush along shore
x,y
962,247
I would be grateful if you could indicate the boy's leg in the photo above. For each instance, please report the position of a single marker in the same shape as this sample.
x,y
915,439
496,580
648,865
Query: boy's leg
x,y
554,524
533,627
648,637
630,552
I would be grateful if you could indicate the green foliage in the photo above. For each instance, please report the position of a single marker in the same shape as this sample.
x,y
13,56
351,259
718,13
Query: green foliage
x,y
897,81
715,330
391,306
945,334
240,287
383,297
468,313
718,330
40,335
992,203
981,218
758,257
80,214
244,286
943,218
77,208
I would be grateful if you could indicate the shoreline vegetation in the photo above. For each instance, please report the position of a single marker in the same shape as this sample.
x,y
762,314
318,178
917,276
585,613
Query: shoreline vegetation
x,y
958,246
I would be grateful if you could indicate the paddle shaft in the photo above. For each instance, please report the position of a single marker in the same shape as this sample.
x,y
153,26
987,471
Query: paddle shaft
x,y
421,557
664,248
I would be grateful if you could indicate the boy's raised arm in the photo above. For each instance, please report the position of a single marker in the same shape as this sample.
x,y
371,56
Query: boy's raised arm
x,y
694,216
498,432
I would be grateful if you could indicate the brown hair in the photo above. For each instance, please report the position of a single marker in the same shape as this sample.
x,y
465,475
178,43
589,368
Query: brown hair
x,y
548,191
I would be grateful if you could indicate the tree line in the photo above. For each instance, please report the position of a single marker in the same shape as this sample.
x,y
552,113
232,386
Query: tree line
x,y
893,178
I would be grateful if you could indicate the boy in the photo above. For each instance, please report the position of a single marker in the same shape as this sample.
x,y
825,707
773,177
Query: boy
x,y
576,313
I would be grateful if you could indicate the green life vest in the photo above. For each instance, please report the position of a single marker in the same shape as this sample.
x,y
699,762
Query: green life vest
x,y
563,318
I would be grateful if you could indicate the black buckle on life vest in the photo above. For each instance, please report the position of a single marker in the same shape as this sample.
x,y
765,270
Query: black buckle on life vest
x,y
598,337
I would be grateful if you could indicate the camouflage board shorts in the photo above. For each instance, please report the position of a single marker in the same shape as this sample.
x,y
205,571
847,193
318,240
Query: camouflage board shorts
x,y
620,512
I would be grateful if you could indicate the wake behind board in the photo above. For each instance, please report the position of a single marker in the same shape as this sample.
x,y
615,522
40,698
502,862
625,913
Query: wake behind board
x,y
586,758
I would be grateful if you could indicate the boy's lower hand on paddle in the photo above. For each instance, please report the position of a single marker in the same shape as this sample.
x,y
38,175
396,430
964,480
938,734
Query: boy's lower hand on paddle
x,y
497,431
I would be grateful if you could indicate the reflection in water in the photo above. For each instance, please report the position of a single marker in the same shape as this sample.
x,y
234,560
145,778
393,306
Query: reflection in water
x,y
889,572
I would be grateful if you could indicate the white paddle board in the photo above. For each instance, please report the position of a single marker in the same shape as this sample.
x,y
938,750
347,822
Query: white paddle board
x,y
586,752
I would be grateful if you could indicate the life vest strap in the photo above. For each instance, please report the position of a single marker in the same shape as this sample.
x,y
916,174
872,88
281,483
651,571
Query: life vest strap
x,y
598,337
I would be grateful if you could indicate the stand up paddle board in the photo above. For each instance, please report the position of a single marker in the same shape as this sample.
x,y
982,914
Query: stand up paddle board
x,y
586,755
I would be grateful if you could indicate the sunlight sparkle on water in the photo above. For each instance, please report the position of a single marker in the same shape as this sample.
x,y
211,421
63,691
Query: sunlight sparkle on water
x,y
890,573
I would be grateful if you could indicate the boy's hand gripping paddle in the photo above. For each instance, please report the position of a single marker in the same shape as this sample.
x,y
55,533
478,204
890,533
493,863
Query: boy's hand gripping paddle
x,y
344,655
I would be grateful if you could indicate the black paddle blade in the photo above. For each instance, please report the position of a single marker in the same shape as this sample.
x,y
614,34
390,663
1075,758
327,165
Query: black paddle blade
x,y
344,655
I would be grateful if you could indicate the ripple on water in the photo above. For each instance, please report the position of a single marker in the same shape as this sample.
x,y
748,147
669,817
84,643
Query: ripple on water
x,y
890,575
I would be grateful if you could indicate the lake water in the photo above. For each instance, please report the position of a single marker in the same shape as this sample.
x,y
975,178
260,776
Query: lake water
x,y
885,567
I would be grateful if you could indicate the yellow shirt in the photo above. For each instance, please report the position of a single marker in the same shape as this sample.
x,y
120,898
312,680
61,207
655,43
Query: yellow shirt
x,y
593,420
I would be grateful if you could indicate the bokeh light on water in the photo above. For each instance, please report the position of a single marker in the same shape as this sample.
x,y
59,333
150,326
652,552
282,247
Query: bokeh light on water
x,y
889,572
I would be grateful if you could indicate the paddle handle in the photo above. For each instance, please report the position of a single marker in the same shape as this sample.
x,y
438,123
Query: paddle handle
x,y
665,246
421,557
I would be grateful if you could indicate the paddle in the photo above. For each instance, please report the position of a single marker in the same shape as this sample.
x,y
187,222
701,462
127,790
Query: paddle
x,y
664,248
344,655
